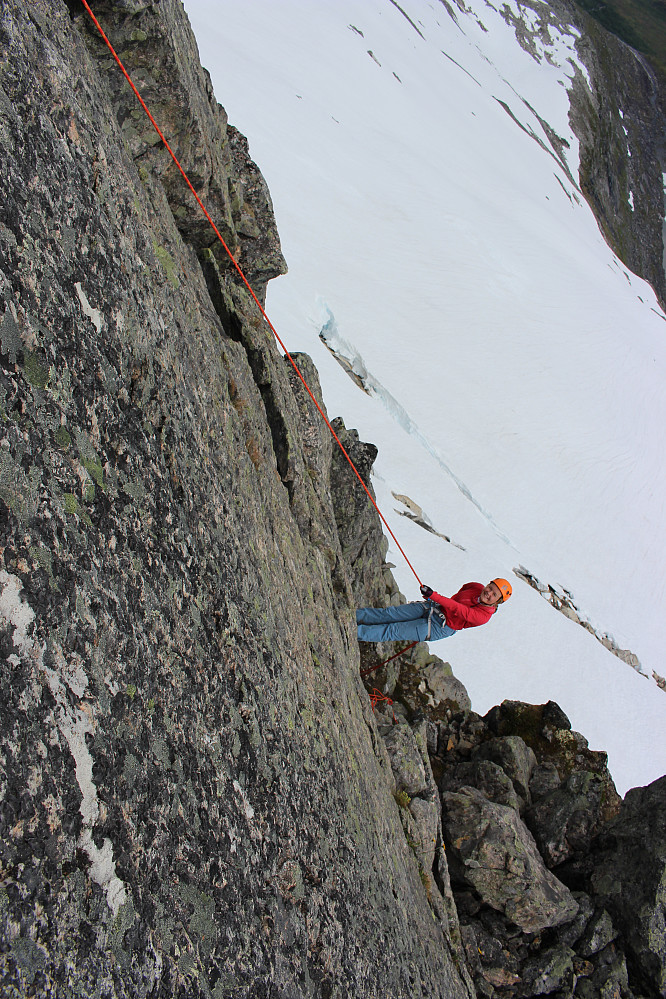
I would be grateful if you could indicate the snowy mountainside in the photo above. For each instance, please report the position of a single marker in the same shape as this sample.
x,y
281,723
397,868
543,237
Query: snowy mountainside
x,y
425,178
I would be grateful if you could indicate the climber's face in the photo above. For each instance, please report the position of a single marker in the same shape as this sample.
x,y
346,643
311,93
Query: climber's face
x,y
490,595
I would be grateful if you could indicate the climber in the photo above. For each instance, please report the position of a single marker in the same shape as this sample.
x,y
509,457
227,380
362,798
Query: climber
x,y
435,617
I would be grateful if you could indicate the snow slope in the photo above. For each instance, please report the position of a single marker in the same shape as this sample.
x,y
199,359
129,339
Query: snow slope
x,y
518,366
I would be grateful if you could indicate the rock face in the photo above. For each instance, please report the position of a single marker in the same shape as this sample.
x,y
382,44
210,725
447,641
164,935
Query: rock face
x,y
619,122
195,798
617,115
630,876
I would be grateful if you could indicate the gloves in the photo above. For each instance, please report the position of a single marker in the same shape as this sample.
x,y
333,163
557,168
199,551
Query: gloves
x,y
426,591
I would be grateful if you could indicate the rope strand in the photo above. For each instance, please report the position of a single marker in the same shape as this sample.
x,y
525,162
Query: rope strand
x,y
246,282
365,672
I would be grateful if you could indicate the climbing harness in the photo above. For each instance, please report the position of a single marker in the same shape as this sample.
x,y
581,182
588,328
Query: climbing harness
x,y
438,614
246,282
430,614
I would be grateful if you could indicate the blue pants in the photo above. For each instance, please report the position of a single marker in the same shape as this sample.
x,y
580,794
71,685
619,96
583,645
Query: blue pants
x,y
405,623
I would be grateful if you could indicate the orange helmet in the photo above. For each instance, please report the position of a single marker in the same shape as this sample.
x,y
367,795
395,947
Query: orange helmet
x,y
504,586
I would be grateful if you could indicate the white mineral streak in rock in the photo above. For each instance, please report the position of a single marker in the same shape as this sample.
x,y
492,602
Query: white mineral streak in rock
x,y
248,810
15,612
94,315
74,724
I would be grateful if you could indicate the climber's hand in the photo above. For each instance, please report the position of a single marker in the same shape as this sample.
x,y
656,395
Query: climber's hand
x,y
426,592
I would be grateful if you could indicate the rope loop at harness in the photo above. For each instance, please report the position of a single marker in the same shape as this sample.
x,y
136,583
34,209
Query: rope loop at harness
x,y
246,283
377,697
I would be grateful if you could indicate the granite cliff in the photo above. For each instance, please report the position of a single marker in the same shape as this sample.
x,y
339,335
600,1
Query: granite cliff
x,y
197,797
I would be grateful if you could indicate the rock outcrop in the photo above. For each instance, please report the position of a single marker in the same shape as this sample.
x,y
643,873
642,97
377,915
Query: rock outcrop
x,y
630,877
547,878
617,114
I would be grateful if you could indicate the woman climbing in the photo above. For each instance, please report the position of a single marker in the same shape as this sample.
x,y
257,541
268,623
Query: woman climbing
x,y
435,617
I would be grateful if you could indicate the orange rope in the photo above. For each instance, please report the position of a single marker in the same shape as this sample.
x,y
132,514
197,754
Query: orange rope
x,y
364,672
376,696
245,281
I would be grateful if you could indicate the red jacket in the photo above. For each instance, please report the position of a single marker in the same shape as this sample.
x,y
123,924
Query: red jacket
x,y
463,609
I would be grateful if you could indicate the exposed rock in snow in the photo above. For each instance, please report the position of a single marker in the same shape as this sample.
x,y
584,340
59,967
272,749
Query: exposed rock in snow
x,y
563,601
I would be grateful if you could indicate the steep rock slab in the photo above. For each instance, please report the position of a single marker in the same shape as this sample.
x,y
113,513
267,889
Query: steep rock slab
x,y
192,801
491,851
159,51
630,879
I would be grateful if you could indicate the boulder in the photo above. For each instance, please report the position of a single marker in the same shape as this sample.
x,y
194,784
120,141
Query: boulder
x,y
445,688
485,776
569,934
545,778
605,977
549,971
599,933
629,879
564,821
489,961
490,850
515,758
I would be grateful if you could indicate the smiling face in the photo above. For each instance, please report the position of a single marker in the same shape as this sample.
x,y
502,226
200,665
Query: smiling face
x,y
490,595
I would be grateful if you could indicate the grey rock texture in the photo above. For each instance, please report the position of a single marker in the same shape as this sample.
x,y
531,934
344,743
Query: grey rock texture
x,y
630,878
565,821
487,777
406,761
515,758
495,855
195,797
